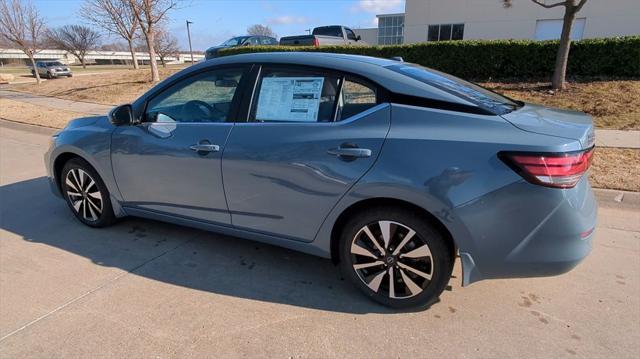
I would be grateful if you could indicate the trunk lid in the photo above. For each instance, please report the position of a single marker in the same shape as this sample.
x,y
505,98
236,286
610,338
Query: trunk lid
x,y
554,122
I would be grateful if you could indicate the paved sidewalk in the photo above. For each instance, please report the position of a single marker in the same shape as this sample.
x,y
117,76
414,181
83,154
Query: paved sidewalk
x,y
617,138
58,103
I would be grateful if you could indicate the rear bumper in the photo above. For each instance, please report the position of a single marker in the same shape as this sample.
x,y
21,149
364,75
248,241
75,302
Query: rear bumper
x,y
540,231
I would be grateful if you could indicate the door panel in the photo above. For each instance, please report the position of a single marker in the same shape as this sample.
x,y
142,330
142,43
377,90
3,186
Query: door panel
x,y
160,173
171,162
280,178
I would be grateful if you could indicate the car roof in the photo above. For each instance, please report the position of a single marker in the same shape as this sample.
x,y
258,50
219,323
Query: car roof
x,y
374,69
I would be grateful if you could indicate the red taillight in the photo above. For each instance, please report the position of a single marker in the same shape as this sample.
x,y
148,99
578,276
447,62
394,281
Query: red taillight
x,y
561,170
316,42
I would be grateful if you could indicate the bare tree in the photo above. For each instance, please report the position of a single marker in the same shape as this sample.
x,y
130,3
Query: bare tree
x,y
21,25
149,13
115,17
571,8
166,45
75,39
261,30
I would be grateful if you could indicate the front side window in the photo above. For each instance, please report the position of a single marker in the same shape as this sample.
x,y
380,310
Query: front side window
x,y
295,96
205,97
350,34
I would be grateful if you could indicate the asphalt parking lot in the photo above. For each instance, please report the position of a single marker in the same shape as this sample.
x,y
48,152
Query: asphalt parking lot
x,y
148,289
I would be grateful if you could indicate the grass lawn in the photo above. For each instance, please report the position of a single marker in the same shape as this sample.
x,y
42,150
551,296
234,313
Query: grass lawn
x,y
616,168
26,71
110,88
613,104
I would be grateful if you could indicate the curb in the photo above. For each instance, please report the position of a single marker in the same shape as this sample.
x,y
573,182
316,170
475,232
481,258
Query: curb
x,y
20,126
612,198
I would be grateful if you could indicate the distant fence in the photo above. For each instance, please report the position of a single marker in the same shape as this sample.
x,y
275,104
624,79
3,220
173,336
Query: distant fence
x,y
498,59
12,56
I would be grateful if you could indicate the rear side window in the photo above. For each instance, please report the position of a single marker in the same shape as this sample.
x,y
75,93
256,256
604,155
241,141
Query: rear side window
x,y
295,96
479,96
328,31
356,97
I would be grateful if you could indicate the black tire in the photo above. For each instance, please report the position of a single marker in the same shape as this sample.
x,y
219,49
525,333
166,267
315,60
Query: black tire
x,y
33,73
49,75
440,262
88,194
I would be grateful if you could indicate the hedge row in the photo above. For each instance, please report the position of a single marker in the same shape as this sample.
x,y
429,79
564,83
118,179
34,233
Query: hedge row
x,y
499,59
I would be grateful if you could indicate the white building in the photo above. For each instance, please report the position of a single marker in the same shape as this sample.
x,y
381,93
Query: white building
x,y
437,20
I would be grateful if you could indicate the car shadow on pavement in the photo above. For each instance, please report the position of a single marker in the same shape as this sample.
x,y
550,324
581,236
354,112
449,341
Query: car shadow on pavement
x,y
182,256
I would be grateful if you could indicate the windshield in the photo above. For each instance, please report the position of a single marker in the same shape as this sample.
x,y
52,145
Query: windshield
x,y
54,63
465,90
235,41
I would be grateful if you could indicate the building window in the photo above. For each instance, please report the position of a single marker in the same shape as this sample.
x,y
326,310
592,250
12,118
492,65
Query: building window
x,y
445,32
390,29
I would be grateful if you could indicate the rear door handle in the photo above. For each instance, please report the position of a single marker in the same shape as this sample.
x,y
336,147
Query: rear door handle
x,y
204,148
350,152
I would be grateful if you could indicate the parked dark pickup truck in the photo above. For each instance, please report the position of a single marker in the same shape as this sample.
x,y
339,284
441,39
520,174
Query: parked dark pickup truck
x,y
325,35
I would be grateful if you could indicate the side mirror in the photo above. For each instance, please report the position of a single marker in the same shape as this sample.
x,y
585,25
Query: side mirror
x,y
358,37
121,115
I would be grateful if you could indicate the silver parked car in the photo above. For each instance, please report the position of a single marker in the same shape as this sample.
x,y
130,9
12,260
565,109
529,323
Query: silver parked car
x,y
51,69
388,168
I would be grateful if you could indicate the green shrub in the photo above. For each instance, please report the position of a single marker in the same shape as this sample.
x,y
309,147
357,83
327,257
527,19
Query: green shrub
x,y
483,60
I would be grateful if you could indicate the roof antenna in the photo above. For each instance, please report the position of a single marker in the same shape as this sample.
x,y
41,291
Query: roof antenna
x,y
397,58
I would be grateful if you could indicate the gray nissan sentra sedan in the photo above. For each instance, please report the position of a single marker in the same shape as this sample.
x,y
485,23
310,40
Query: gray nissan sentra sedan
x,y
388,168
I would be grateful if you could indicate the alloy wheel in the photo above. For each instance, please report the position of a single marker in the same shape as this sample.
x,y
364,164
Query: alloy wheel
x,y
392,259
84,194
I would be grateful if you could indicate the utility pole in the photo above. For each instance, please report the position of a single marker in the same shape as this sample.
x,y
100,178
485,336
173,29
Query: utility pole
x,y
189,36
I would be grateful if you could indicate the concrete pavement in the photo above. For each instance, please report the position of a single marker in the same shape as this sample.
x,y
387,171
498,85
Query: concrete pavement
x,y
148,289
617,138
57,103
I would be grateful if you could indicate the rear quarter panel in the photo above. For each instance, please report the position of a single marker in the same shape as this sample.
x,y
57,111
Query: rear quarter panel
x,y
440,160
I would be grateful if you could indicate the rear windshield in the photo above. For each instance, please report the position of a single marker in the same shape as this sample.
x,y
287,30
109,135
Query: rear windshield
x,y
328,31
479,96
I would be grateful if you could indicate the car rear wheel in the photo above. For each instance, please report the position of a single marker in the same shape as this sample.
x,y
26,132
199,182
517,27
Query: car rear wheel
x,y
49,75
86,194
395,257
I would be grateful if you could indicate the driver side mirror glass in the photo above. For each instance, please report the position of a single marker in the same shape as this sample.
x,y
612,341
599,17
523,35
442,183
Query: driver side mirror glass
x,y
358,37
121,115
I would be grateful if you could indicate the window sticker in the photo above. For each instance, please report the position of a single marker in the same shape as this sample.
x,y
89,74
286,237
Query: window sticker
x,y
295,99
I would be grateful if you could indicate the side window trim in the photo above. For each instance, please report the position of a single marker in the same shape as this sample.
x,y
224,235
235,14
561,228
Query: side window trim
x,y
236,102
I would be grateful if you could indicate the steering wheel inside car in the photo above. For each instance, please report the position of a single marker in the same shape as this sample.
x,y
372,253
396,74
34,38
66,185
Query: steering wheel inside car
x,y
200,111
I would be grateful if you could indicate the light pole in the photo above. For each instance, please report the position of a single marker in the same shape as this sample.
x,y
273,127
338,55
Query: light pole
x,y
189,36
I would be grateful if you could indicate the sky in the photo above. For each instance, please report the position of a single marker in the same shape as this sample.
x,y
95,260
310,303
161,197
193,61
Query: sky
x,y
217,20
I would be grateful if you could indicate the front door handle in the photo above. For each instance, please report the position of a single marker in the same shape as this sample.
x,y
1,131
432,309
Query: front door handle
x,y
350,152
204,148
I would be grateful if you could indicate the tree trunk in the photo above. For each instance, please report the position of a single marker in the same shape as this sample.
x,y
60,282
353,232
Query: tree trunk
x,y
162,61
35,70
155,76
134,57
560,70
84,64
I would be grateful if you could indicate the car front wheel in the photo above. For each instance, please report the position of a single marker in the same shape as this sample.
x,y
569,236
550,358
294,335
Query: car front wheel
x,y
396,257
86,194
